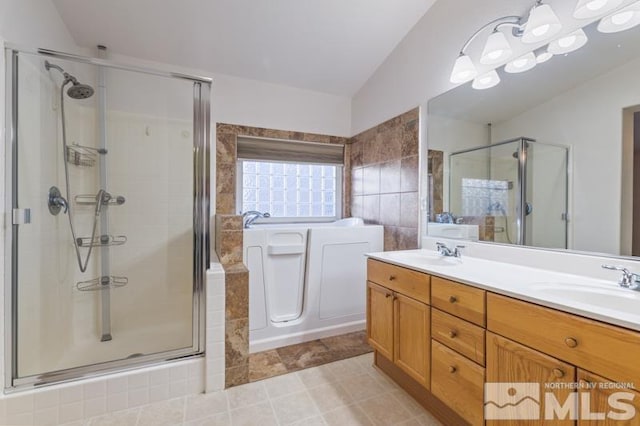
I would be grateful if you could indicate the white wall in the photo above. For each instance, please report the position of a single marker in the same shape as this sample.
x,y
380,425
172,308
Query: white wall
x,y
587,118
419,67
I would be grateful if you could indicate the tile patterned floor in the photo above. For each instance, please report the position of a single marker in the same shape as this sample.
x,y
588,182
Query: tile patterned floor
x,y
349,392
292,358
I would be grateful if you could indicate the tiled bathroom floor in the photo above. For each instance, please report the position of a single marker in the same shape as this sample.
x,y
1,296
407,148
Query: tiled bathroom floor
x,y
287,359
343,393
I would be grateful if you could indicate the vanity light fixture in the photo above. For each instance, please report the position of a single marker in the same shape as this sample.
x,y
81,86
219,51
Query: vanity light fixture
x,y
521,64
486,81
623,19
568,43
586,9
541,24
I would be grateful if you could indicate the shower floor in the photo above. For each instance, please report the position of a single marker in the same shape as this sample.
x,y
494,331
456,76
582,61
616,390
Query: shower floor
x,y
127,343
287,359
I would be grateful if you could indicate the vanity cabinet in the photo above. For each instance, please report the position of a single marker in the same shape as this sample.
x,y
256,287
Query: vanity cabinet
x,y
380,319
443,341
599,401
398,317
595,346
511,362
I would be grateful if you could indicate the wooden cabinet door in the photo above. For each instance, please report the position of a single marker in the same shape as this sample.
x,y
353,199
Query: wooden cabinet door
x,y
596,405
380,319
412,338
511,362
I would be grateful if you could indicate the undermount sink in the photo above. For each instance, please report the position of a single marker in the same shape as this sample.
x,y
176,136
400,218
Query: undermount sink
x,y
425,258
616,298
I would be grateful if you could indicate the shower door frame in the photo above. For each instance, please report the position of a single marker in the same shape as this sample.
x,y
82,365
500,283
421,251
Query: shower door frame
x,y
201,215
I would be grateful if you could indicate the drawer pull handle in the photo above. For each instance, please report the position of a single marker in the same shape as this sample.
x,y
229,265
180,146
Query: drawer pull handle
x,y
392,277
395,297
453,299
453,334
571,342
558,373
387,295
452,369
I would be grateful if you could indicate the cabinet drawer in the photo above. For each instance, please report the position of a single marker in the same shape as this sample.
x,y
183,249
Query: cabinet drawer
x,y
406,281
458,334
459,299
458,383
604,349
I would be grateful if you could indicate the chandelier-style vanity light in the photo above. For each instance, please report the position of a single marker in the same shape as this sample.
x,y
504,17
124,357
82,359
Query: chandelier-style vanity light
x,y
541,25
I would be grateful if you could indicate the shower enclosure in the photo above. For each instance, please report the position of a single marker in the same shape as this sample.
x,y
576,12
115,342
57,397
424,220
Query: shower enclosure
x,y
516,191
106,244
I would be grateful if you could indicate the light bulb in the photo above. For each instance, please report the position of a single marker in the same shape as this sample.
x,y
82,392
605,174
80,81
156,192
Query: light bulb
x,y
596,4
496,49
544,57
486,81
521,64
586,9
463,70
541,30
624,19
542,24
568,43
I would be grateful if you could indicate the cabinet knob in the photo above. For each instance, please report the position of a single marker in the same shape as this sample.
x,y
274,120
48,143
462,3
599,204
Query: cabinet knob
x,y
453,299
452,369
453,334
571,342
558,373
395,297
392,277
387,295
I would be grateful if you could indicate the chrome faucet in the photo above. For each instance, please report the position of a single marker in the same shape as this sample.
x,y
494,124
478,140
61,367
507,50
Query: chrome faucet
x,y
251,216
446,251
628,279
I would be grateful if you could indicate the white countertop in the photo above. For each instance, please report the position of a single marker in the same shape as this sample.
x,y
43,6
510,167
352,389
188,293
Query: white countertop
x,y
602,300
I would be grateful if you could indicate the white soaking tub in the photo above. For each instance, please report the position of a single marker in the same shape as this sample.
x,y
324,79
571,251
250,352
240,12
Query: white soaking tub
x,y
307,281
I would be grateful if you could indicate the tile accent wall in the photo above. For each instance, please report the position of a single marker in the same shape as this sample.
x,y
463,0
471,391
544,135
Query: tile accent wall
x,y
435,169
229,238
384,179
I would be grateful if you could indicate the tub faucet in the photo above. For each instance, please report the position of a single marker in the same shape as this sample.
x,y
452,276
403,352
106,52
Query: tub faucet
x,y
628,279
251,216
447,252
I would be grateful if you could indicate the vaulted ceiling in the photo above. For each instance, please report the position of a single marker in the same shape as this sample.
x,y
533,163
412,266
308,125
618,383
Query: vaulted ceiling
x,y
330,46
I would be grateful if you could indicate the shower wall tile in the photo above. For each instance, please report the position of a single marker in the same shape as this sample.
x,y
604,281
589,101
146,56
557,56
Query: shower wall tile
x,y
215,332
384,179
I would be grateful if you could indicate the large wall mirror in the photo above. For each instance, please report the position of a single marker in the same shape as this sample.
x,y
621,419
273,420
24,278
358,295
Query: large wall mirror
x,y
548,158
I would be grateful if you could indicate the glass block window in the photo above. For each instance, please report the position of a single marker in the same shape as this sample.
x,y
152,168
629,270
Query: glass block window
x,y
290,189
482,197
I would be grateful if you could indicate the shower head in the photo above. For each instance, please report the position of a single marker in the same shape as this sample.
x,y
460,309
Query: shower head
x,y
77,90
80,91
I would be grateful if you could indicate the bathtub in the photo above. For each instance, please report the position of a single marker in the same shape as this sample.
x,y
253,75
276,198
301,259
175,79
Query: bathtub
x,y
307,281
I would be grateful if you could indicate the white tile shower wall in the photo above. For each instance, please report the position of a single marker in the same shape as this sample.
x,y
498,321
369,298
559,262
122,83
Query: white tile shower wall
x,y
66,403
215,328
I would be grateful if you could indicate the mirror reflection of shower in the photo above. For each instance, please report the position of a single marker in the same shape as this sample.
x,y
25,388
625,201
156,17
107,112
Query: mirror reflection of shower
x,y
495,187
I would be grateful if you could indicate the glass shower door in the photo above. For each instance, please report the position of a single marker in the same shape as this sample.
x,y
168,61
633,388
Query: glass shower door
x,y
122,171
